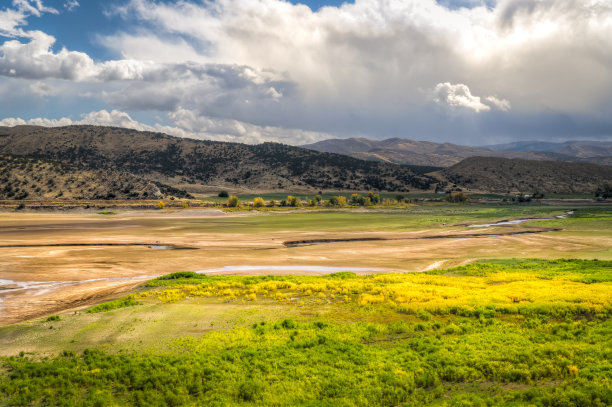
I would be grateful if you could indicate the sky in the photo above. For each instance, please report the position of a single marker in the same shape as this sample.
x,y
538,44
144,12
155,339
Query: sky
x,y
471,72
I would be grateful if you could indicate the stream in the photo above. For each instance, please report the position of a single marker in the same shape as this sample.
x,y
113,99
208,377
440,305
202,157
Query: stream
x,y
518,221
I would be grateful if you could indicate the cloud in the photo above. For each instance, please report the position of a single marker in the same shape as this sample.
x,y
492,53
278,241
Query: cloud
x,y
186,123
11,19
357,69
34,60
71,5
113,118
233,130
34,7
460,96
42,89
16,121
501,104
379,52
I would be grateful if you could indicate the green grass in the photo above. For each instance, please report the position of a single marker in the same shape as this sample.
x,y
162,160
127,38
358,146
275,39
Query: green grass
x,y
369,220
110,305
316,363
584,271
309,341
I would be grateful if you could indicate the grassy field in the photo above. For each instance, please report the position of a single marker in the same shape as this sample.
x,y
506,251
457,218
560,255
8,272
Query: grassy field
x,y
511,332
382,220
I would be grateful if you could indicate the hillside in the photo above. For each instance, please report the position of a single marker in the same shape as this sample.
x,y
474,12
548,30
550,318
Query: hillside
x,y
188,162
514,175
404,151
30,178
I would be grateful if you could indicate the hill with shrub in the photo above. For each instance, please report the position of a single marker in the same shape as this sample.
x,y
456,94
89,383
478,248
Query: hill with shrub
x,y
188,162
26,178
504,175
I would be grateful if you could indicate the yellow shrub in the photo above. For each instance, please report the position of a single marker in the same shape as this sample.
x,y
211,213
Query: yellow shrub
x,y
259,202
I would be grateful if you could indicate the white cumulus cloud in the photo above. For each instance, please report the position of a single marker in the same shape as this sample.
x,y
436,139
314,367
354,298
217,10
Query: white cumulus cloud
x,y
459,96
185,123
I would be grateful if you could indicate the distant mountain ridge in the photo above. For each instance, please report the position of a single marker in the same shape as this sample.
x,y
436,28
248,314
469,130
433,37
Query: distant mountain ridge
x,y
183,162
411,152
581,149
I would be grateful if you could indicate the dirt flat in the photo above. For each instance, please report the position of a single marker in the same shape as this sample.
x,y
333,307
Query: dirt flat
x,y
50,262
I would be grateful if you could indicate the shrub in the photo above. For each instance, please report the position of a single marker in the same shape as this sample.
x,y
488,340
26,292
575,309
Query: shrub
x,y
161,205
249,390
53,318
233,201
223,194
456,197
357,199
110,305
374,198
604,191
180,274
288,324
258,202
293,201
337,201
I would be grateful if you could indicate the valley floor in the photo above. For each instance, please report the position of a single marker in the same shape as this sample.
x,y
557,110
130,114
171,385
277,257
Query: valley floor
x,y
390,307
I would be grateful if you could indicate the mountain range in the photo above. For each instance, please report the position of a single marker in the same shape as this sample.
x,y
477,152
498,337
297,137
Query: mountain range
x,y
404,151
96,162
579,149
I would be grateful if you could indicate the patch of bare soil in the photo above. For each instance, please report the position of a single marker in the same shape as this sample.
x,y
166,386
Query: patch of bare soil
x,y
24,306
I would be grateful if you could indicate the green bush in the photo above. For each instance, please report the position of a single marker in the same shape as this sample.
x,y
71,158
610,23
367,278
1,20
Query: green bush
x,y
180,274
250,390
111,305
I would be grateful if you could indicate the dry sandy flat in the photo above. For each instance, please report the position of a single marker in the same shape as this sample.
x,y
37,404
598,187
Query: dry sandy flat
x,y
51,262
